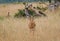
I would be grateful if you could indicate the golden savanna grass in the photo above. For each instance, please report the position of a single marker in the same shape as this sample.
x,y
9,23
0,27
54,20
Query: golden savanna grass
x,y
16,29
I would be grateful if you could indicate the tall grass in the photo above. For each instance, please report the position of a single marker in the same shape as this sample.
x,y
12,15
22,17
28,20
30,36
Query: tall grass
x,y
1,18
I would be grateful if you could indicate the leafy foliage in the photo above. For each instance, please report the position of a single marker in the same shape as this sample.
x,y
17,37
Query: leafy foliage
x,y
43,9
20,13
31,12
24,3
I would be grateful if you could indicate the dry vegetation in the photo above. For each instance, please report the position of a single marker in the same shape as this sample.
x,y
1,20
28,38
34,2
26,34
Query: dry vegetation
x,y
13,29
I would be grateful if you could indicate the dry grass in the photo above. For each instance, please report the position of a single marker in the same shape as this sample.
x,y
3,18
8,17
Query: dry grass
x,y
47,28
12,8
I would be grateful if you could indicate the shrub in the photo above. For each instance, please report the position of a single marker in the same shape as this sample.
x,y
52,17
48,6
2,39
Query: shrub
x,y
43,9
20,13
39,8
31,12
24,3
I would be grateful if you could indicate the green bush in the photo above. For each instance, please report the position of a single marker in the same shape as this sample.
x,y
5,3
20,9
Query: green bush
x,y
43,9
31,12
39,8
20,13
24,3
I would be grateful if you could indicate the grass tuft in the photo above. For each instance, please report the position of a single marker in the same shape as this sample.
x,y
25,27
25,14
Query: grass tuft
x,y
1,18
